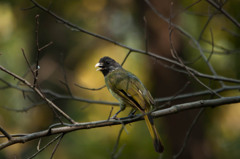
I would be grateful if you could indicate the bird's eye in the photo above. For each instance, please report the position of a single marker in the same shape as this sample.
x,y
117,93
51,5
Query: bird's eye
x,y
107,62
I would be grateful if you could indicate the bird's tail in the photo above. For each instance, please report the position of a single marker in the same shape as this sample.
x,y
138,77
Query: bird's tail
x,y
154,134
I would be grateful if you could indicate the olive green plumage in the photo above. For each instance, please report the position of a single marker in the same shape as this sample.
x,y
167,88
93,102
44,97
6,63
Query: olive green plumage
x,y
129,90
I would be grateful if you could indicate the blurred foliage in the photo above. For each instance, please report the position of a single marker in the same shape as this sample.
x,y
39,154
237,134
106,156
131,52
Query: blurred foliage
x,y
75,54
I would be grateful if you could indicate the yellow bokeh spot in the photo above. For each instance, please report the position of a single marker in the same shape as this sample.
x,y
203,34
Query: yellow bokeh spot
x,y
7,21
94,5
229,122
88,75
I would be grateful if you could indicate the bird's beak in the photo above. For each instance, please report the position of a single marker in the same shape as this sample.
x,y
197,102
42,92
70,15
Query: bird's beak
x,y
99,65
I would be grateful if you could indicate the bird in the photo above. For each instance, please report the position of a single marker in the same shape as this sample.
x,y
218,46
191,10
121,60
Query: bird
x,y
129,91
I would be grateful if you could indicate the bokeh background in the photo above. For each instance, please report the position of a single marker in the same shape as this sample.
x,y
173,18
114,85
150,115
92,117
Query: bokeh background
x,y
74,54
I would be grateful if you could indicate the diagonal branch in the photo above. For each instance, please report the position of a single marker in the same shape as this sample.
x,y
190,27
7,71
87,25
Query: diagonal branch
x,y
9,137
77,28
44,147
36,90
218,7
103,123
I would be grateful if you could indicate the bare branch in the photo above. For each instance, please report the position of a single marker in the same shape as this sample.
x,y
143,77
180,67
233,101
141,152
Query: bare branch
x,y
38,92
124,60
219,8
185,33
196,73
48,144
175,55
91,89
56,146
56,96
186,8
103,123
29,66
38,52
114,153
9,137
202,53
188,133
65,82
45,46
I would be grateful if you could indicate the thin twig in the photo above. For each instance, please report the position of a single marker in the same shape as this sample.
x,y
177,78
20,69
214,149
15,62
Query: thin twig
x,y
91,89
212,51
235,34
28,8
103,123
168,102
175,55
188,133
114,153
29,66
205,26
36,90
188,36
45,46
56,96
65,82
186,8
225,13
9,137
146,34
124,60
75,27
38,52
44,147
110,113
56,146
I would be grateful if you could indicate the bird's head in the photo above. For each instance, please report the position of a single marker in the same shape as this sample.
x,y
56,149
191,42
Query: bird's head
x,y
107,65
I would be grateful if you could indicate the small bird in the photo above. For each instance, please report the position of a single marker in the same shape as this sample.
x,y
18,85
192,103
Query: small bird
x,y
129,90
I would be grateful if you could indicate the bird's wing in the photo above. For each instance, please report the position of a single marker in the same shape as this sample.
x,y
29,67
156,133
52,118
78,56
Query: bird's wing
x,y
131,90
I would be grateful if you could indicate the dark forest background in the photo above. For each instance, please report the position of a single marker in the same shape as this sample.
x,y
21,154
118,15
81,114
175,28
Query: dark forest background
x,y
203,35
